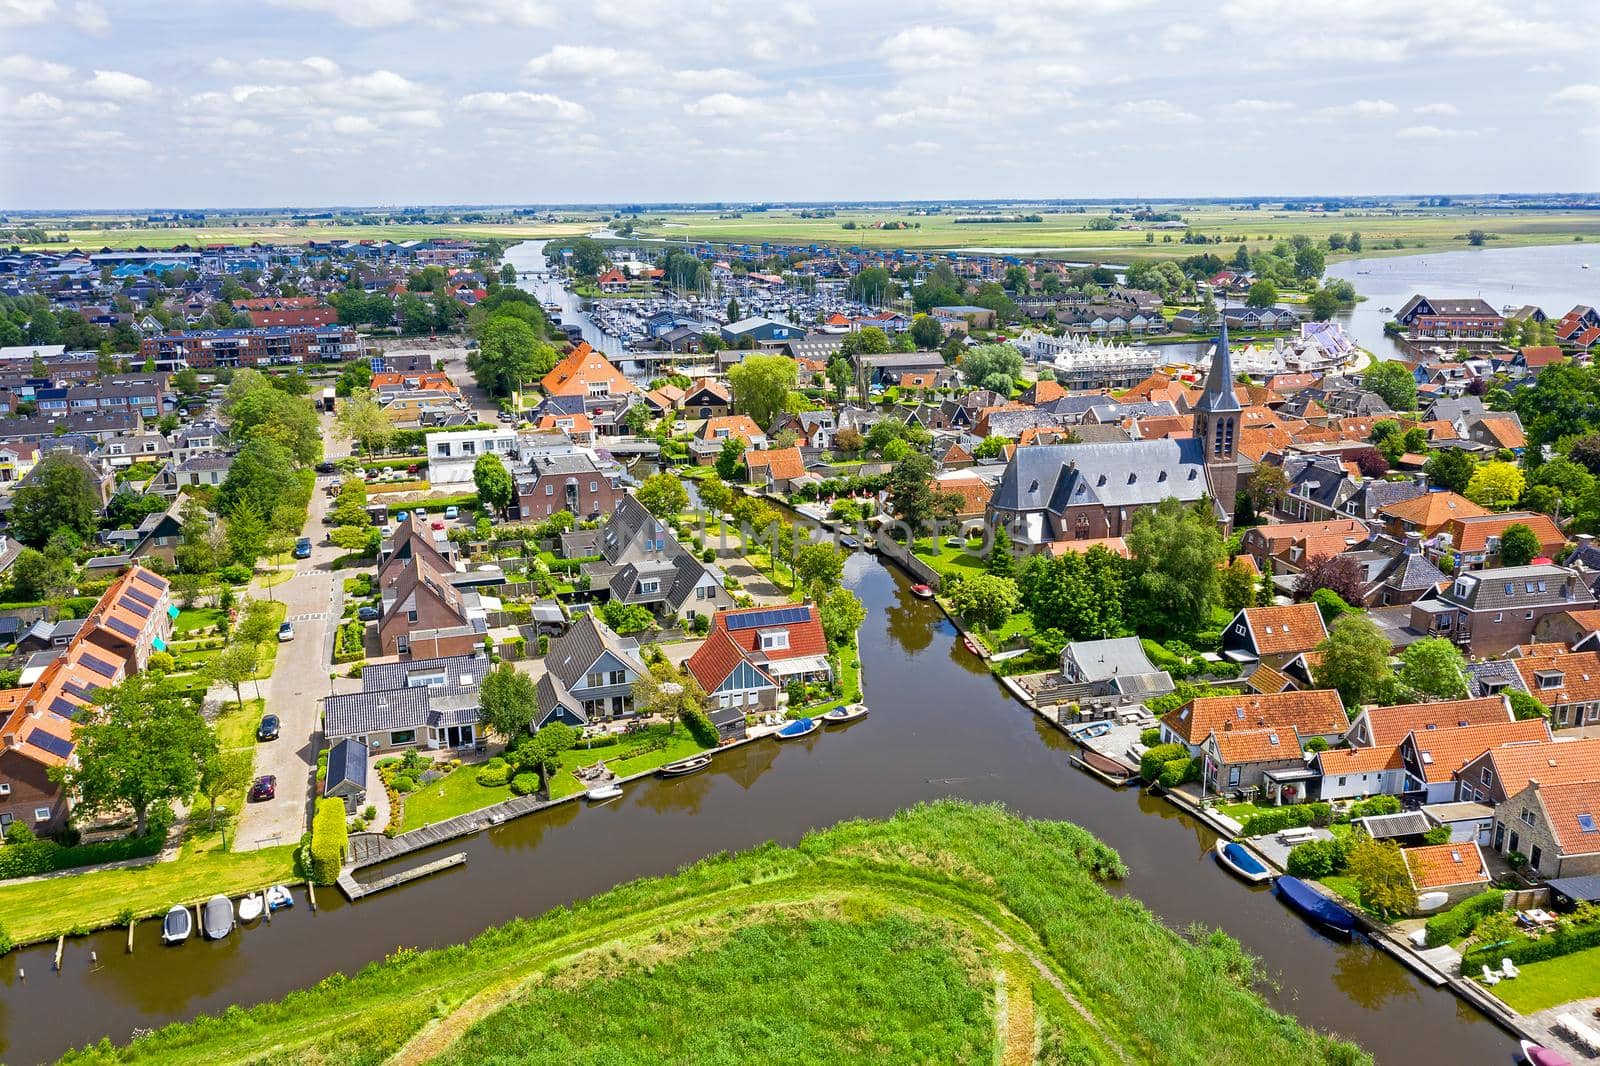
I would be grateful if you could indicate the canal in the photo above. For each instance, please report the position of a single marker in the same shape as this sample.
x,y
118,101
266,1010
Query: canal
x,y
940,726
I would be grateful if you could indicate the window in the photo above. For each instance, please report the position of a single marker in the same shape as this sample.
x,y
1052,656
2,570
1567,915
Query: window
x,y
41,814
549,489
1526,816
778,639
594,486
467,448
411,616
1341,781
444,450
595,680
619,677
650,587
1233,776
402,736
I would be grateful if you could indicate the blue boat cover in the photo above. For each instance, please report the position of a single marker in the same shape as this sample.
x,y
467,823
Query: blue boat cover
x,y
1243,859
1314,905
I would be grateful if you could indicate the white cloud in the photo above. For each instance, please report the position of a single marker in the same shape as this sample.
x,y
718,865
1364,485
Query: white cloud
x,y
508,12
1544,68
1182,36
354,125
930,48
366,14
1359,109
30,68
25,12
1436,133
524,107
722,105
1392,30
724,79
588,63
383,86
307,69
90,17
1583,95
119,86
34,107
1158,111
1437,109
1089,125
1261,106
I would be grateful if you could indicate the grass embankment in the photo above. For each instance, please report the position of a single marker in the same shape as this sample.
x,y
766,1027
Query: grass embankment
x,y
81,902
950,933
1548,984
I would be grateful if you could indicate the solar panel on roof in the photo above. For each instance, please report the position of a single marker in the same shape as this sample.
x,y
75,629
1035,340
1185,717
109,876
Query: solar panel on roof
x,y
50,742
134,596
64,707
127,629
154,581
775,617
99,666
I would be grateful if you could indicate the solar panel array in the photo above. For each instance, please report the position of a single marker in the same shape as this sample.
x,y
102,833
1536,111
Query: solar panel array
x,y
153,580
777,616
127,629
99,666
138,603
50,742
65,707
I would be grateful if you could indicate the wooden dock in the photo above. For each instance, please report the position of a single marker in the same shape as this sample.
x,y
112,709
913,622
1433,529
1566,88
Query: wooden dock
x,y
355,890
384,849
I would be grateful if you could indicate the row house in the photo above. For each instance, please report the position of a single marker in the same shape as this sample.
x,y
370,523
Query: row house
x,y
268,346
1488,612
1556,826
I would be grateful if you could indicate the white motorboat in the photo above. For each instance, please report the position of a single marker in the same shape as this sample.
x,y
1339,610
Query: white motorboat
x,y
177,925
250,907
850,712
603,793
279,898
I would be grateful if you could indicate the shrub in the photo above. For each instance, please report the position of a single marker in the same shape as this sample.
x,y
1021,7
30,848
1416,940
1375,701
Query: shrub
x,y
235,573
1281,818
1562,940
1370,807
1439,834
1317,858
161,662
404,784
525,784
1150,737
25,857
1157,756
494,776
699,725
329,838
1175,772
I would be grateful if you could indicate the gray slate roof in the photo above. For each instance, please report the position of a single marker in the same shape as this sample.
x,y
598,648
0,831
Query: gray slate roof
x,y
1053,477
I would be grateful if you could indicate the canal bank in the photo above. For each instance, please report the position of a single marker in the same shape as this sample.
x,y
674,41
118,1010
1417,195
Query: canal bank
x,y
940,725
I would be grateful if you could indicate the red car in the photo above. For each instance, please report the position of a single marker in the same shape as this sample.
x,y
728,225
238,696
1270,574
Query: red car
x,y
265,788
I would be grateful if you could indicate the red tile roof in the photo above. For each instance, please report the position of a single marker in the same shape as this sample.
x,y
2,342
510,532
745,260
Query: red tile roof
x,y
1310,713
1388,726
1445,751
1277,630
1563,804
1445,865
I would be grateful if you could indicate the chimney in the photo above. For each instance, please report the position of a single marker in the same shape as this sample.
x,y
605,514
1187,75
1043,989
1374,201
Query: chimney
x,y
1413,543
1533,784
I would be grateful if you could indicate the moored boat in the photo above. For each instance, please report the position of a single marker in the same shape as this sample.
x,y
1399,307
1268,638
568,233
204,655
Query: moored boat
x,y
177,925
1237,860
250,907
800,727
279,898
1431,901
684,767
972,646
850,712
1089,730
603,793
216,919
922,592
1315,907
1535,1055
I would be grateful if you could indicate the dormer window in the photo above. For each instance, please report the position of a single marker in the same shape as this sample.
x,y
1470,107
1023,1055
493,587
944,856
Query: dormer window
x,y
774,639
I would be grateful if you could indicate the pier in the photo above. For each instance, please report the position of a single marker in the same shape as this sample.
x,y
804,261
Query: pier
x,y
355,890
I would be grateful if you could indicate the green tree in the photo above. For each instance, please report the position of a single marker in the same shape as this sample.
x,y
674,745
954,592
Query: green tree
x,y
927,333
985,600
1379,870
818,562
992,366
715,494
42,575
1263,293
1496,485
1322,304
874,285
365,421
761,385
509,355
1393,383
663,495
911,495
255,409
1268,485
669,692
1177,551
1563,401
1519,545
508,702
262,474
141,744
1000,562
1238,585
220,773
246,534
842,613
542,752
1450,468
1355,659
1434,667
235,664
493,481
588,256
59,493
350,506
730,459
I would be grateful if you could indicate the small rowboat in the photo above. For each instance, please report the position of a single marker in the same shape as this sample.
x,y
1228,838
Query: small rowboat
x,y
1542,1056
217,918
684,767
800,727
1315,907
177,925
1241,863
250,907
850,712
922,592
1431,901
604,793
972,646
279,898
1089,731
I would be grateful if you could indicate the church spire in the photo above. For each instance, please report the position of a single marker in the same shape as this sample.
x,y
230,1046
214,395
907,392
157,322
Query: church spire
x,y
1218,394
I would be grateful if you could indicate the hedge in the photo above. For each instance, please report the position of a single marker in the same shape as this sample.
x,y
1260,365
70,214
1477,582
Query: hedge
x,y
35,857
1317,858
699,726
1175,772
329,838
1281,818
1558,942
1447,927
1369,808
525,784
494,776
1156,757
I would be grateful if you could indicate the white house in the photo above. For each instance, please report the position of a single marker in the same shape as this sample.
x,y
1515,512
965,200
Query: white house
x,y
451,456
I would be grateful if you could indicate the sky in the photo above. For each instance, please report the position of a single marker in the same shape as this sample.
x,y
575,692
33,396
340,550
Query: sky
x,y
277,103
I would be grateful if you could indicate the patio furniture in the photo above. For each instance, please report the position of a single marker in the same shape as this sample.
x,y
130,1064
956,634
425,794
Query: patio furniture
x,y
1509,969
1490,977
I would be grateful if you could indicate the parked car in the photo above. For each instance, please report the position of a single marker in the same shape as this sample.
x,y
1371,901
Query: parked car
x,y
452,512
367,614
401,516
265,788
302,548
504,416
438,523
268,729
325,468
286,632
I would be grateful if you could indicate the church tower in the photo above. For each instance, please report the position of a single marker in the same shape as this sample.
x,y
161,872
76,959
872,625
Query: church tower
x,y
1216,426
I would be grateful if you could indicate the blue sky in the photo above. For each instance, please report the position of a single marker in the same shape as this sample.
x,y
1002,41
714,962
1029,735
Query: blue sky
x,y
207,103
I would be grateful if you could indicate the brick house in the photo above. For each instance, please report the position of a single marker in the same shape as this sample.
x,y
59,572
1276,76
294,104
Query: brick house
x,y
589,675
570,482
1500,773
1488,612
1456,869
751,654
1431,759
422,612
1556,826
1315,713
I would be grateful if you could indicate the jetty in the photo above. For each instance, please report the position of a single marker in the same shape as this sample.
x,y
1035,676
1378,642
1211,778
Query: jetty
x,y
354,890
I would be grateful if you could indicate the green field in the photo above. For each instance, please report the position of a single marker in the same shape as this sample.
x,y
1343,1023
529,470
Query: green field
x,y
92,234
951,933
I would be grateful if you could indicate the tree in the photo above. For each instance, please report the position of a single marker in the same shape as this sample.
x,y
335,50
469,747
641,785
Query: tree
x,y
819,562
234,665
222,772
874,285
869,340
60,493
663,495
927,333
255,409
849,439
992,366
1322,304
715,494
733,310
730,458
246,534
1518,545
985,600
262,474
1585,451
42,575
761,385
1355,659
842,613
509,354
1263,293
588,256
1000,562
1380,871
1268,485
366,422
669,692
1369,461
1178,553
1238,585
493,481
1450,468
1340,573
911,495
141,744
508,702
1433,667
1393,383
1563,401
1496,485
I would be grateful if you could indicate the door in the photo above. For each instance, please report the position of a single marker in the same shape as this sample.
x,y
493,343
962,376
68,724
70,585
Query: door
x,y
1499,837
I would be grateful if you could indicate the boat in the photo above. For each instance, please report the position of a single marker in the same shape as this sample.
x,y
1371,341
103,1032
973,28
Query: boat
x,y
216,920
684,767
1431,901
1089,731
800,727
972,646
1536,1055
603,793
922,592
850,712
177,925
1315,907
250,907
1238,860
279,898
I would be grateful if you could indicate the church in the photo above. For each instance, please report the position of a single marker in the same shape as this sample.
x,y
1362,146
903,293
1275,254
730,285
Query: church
x,y
1091,491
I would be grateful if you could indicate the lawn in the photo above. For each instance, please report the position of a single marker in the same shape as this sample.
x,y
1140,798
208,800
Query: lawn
x,y
1553,982
236,728
947,560
458,792
38,910
236,732
625,759
196,618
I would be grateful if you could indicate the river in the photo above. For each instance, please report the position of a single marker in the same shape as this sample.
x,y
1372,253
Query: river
x,y
940,726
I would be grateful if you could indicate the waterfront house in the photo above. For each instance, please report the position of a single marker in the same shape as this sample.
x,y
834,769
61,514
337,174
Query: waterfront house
x,y
1115,667
1268,760
424,703
1431,758
588,375
1472,317
1307,714
775,470
708,440
571,482
589,675
1557,826
1273,635
1357,773
1457,869
752,654
760,332
707,399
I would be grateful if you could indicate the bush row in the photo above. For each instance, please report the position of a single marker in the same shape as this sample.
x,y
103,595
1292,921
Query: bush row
x,y
1560,941
1318,858
329,837
1281,818
34,857
1459,921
